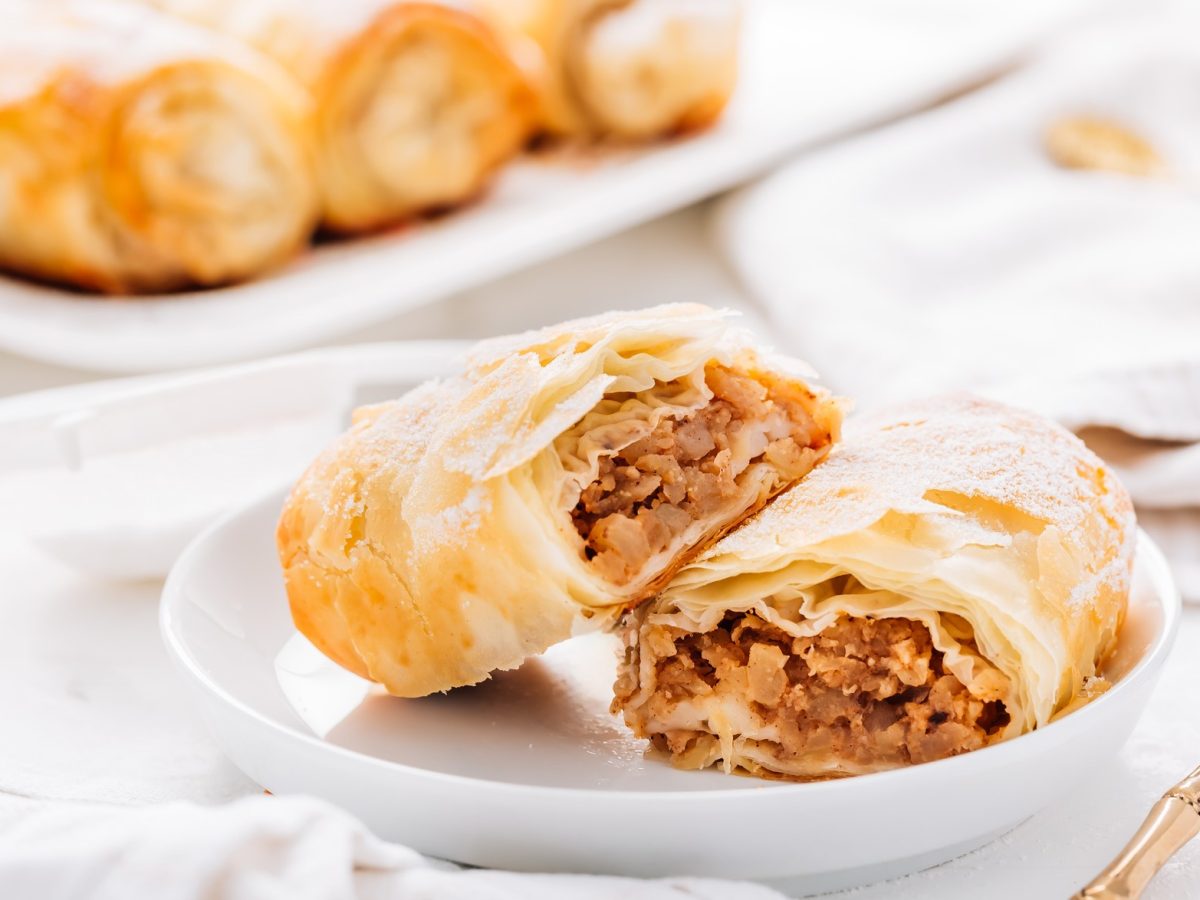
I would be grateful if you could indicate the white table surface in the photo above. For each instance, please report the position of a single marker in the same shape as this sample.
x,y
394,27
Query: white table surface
x,y
91,710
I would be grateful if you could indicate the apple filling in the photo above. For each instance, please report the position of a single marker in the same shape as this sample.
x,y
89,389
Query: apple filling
x,y
861,695
682,472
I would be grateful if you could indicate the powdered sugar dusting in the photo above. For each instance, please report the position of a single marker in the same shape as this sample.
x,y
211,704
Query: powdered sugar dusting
x,y
519,392
958,446
452,524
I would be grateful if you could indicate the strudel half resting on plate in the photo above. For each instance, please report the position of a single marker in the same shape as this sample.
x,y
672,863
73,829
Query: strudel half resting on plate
x,y
565,476
950,577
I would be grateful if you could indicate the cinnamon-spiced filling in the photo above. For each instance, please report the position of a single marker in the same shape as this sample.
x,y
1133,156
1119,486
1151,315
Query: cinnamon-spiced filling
x,y
862,694
648,494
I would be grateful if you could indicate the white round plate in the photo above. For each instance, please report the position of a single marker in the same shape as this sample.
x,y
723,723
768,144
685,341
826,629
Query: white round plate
x,y
810,72
530,771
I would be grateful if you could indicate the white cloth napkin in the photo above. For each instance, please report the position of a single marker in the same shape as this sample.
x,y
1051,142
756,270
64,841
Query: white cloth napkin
x,y
261,848
950,252
91,710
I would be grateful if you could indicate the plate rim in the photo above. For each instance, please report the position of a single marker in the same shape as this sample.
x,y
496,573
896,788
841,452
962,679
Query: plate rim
x,y
1167,593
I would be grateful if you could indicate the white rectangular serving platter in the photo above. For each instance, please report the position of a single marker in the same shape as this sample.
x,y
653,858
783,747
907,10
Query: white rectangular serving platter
x,y
812,69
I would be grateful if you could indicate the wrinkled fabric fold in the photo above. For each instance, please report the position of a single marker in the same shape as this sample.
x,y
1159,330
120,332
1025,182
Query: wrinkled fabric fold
x,y
270,846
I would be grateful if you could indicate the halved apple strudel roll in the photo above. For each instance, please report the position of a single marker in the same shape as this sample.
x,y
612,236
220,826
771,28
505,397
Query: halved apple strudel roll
x,y
566,475
950,577
139,154
630,69
414,104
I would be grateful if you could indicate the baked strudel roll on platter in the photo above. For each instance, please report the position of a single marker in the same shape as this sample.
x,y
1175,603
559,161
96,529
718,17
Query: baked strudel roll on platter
x,y
565,476
950,577
414,104
139,154
628,69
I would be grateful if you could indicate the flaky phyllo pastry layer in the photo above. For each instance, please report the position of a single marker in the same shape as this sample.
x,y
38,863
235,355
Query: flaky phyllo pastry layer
x,y
564,477
950,577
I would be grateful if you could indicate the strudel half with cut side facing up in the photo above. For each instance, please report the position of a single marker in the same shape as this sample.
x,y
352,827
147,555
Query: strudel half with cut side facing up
x,y
951,577
564,477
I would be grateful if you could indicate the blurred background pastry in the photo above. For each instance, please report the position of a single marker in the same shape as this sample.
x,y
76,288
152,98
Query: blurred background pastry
x,y
141,154
414,104
156,145
629,69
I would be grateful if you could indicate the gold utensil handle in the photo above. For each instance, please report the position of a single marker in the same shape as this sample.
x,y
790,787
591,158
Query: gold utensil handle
x,y
1174,820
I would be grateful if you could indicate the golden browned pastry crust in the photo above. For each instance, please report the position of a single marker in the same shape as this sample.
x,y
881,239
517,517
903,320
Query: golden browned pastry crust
x,y
998,546
440,539
414,104
141,154
629,69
